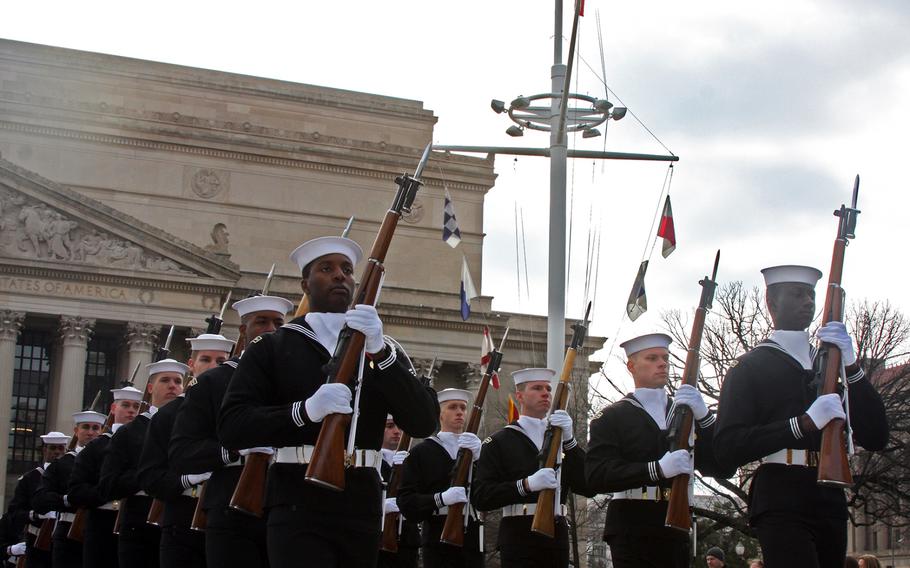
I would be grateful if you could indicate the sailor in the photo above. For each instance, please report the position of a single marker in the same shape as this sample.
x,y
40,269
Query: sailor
x,y
21,510
99,544
509,476
770,412
180,545
278,397
426,491
52,492
629,456
407,531
138,541
232,538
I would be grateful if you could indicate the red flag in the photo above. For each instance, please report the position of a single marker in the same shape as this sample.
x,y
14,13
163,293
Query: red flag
x,y
581,10
666,229
513,411
485,350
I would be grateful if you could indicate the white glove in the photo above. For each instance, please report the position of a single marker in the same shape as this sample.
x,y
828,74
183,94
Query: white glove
x,y
16,549
544,478
675,463
826,408
330,398
398,457
453,495
563,421
257,450
391,505
835,333
364,319
48,515
471,442
197,478
689,396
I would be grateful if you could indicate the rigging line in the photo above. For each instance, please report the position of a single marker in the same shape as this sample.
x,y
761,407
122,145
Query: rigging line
x,y
596,270
524,247
635,116
603,67
571,200
656,213
588,258
517,256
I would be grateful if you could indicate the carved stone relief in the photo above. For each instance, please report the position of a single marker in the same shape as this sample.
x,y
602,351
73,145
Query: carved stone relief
x,y
415,215
220,240
31,229
142,336
76,329
422,366
208,183
471,375
10,324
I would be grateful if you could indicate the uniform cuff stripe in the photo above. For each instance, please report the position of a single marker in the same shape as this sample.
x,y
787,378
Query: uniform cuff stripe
x,y
388,360
296,414
711,418
438,499
185,481
856,376
225,456
794,428
566,446
521,487
654,471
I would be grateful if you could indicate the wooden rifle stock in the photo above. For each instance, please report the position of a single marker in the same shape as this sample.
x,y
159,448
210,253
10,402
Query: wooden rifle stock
x,y
544,521
20,561
327,464
156,511
390,524
678,516
249,494
45,533
833,463
200,518
453,529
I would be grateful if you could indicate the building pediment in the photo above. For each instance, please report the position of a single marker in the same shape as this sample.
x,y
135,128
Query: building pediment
x,y
50,227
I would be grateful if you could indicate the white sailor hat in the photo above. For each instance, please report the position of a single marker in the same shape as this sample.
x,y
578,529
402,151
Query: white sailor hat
x,y
263,304
211,342
533,374
311,250
89,416
445,395
55,438
791,273
127,393
648,341
389,417
167,366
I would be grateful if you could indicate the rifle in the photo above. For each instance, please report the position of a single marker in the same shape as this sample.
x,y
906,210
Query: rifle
x,y
303,308
327,465
545,515
390,523
680,423
77,528
250,490
156,510
453,529
46,532
833,466
200,519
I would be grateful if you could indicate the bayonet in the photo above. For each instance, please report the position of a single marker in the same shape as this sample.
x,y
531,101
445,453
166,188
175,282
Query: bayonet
x,y
268,281
423,161
167,342
227,300
855,191
132,380
347,228
502,345
96,401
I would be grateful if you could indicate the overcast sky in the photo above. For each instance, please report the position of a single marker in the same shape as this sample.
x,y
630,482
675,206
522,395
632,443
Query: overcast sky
x,y
773,107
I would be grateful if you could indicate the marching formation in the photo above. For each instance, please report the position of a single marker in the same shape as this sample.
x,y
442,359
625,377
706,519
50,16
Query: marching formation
x,y
294,446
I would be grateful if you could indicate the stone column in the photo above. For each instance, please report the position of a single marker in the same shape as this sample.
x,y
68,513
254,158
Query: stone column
x,y
10,326
75,332
141,339
471,374
422,366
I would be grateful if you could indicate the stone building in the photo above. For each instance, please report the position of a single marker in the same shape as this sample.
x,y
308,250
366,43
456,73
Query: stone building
x,y
134,195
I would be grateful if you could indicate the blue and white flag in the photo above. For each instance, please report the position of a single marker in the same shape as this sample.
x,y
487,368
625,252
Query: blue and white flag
x,y
450,233
638,301
468,291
